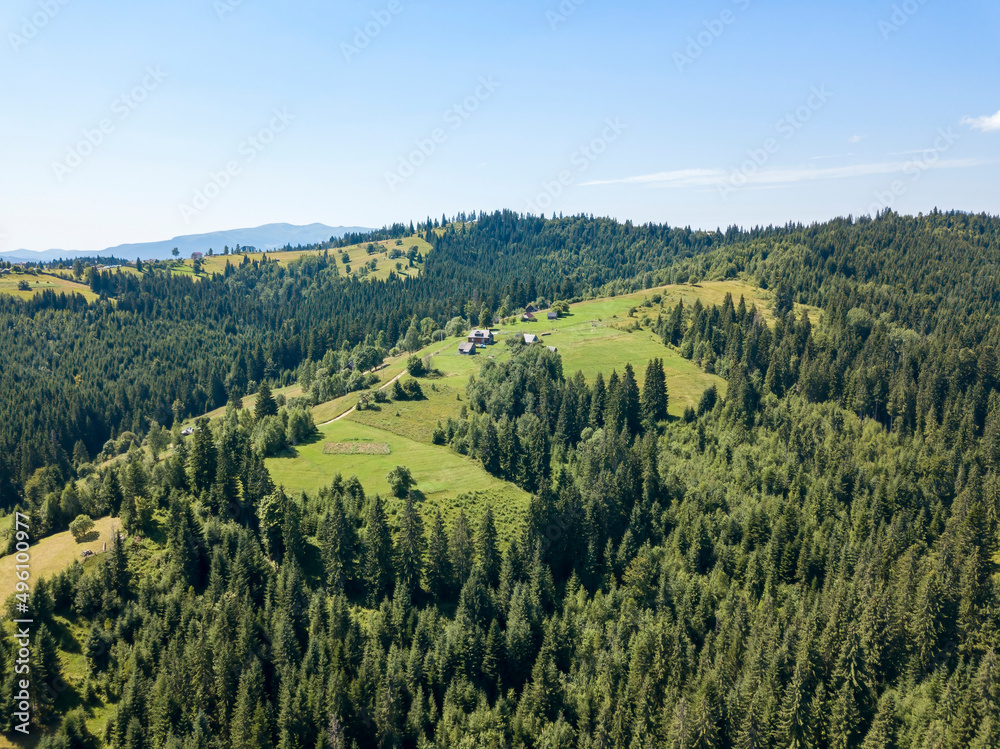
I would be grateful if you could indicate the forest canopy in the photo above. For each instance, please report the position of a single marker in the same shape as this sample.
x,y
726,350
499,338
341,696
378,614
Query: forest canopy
x,y
807,560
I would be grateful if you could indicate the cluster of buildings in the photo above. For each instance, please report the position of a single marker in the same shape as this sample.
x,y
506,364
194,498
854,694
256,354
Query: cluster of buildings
x,y
483,338
477,339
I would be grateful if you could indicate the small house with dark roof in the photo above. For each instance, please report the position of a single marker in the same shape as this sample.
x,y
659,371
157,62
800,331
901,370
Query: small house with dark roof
x,y
467,349
481,337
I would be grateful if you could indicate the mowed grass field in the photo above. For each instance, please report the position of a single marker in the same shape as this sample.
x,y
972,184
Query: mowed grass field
x,y
39,283
446,480
55,553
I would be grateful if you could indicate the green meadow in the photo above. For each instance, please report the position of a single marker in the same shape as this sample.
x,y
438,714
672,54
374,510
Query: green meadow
x,y
359,255
446,481
597,336
60,284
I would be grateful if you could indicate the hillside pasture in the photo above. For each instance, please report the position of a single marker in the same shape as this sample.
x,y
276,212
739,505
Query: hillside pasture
x,y
445,480
42,282
57,552
359,255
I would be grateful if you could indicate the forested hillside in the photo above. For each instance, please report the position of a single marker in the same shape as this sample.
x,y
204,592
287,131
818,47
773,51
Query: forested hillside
x,y
158,347
809,560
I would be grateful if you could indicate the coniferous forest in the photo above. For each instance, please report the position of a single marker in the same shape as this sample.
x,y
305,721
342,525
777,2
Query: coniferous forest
x,y
807,558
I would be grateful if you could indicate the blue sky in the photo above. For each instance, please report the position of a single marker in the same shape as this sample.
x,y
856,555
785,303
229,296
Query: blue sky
x,y
141,121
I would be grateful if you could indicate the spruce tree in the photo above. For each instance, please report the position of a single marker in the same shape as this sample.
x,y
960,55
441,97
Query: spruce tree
x,y
653,404
249,696
410,549
203,461
46,669
462,550
536,465
598,402
109,496
488,548
378,570
674,333
614,412
489,449
183,542
292,539
338,545
509,449
266,405
439,571
629,402
882,734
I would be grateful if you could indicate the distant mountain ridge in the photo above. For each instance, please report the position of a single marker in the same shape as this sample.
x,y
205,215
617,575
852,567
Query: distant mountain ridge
x,y
266,237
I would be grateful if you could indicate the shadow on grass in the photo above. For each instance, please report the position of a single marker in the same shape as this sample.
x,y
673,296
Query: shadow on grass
x,y
60,628
312,439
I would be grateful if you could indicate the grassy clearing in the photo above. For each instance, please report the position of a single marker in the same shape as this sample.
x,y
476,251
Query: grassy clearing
x,y
57,283
444,393
358,253
598,336
249,402
55,553
416,420
602,349
446,480
391,369
709,292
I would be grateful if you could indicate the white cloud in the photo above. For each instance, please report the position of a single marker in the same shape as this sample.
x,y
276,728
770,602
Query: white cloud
x,y
985,124
717,177
680,178
855,139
